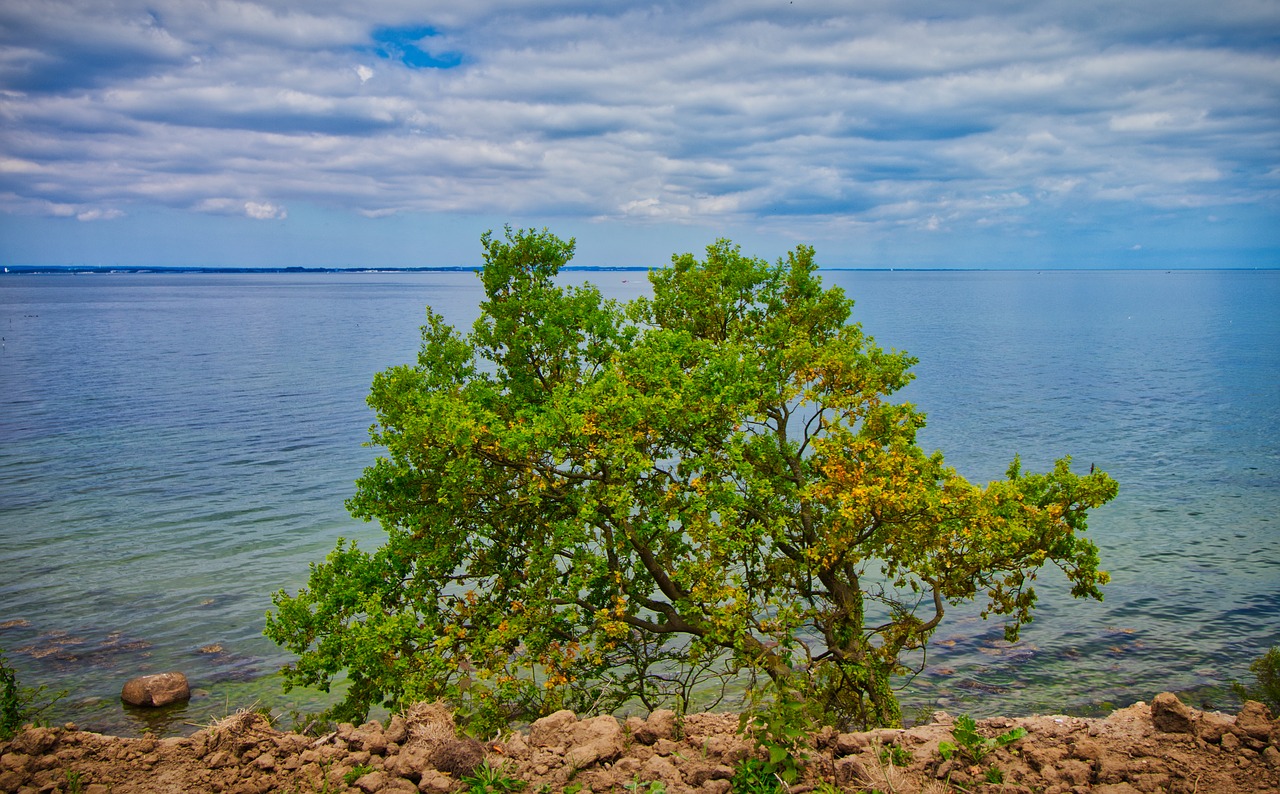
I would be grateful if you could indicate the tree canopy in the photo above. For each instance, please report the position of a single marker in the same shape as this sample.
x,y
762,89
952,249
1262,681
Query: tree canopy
x,y
588,503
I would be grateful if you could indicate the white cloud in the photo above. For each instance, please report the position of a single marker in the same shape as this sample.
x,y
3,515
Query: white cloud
x,y
10,165
264,211
220,206
99,214
807,116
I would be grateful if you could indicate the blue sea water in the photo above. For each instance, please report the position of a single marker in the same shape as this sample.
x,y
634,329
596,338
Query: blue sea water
x,y
176,447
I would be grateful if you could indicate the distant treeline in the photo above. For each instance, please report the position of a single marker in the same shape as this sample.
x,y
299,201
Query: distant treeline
x,y
118,269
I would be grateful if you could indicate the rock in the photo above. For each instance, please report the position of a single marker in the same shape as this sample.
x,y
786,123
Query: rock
x,y
374,781
10,780
698,772
851,770
665,747
594,740
850,743
15,761
1076,772
1272,756
1170,715
1212,726
660,768
1086,750
824,738
369,738
409,763
660,725
1039,758
1117,788
549,731
161,689
517,747
1254,720
729,749
397,730
35,741
633,725
359,758
434,782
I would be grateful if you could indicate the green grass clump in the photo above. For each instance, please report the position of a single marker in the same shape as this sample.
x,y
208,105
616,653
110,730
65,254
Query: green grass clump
x,y
1266,670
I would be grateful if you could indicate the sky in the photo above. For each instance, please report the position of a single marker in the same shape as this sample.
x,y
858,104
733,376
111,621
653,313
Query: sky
x,y
885,133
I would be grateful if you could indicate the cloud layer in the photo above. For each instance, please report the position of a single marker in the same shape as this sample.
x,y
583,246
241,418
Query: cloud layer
x,y
803,118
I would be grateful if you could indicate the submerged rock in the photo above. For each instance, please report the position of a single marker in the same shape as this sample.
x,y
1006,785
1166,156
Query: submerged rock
x,y
156,690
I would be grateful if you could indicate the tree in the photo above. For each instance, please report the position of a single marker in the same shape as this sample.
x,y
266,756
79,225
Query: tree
x,y
587,503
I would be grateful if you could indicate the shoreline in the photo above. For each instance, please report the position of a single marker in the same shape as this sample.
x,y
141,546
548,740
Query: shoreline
x,y
1163,745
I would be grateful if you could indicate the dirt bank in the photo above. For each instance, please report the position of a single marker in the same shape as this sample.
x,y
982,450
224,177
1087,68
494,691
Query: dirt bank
x,y
1161,746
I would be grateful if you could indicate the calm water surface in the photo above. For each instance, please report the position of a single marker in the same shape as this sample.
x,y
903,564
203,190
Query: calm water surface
x,y
174,448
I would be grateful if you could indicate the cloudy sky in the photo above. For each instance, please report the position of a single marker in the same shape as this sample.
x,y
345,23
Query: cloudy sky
x,y
887,133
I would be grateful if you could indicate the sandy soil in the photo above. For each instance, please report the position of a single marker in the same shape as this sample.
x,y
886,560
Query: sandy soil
x,y
1162,746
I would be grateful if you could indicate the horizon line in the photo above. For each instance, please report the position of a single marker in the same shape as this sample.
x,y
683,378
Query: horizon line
x,y
212,269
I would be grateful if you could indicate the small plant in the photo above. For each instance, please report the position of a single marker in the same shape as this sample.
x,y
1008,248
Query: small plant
x,y
75,782
10,703
969,744
895,755
490,779
1266,670
355,774
20,705
652,787
756,776
994,775
309,723
323,785
780,730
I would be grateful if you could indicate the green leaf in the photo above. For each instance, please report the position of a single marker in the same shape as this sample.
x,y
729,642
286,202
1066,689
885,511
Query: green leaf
x,y
588,504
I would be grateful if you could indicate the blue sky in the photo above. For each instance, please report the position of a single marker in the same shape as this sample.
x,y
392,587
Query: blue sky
x,y
903,133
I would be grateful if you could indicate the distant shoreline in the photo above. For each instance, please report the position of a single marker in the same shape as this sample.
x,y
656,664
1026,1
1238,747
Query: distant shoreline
x,y
114,270
14,270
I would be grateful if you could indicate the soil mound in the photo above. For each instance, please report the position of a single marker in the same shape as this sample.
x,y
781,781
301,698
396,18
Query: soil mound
x,y
1163,746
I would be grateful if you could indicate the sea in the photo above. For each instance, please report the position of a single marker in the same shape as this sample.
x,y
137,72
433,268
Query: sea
x,y
176,447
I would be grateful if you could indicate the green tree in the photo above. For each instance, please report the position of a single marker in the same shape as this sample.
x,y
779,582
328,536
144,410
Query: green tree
x,y
583,499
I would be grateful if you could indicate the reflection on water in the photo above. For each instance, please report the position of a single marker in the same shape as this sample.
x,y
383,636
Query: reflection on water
x,y
175,448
